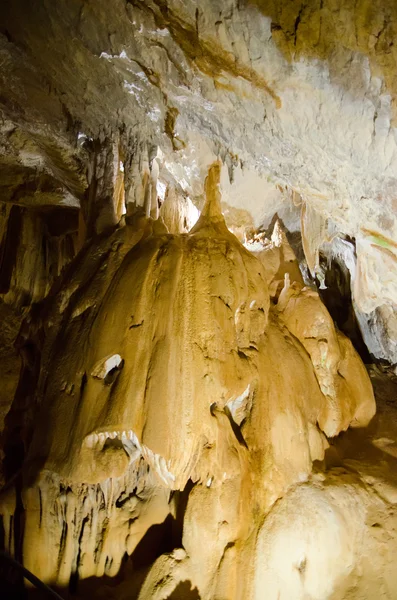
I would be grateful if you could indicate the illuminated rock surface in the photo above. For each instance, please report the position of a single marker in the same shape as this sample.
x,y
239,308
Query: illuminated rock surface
x,y
166,365
183,409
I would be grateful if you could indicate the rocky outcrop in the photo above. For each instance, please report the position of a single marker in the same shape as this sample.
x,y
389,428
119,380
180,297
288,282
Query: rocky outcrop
x,y
165,367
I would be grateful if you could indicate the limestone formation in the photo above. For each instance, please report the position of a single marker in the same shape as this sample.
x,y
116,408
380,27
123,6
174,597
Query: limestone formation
x,y
165,364
198,250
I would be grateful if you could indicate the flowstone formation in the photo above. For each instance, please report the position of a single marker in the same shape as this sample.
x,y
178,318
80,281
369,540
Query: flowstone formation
x,y
177,390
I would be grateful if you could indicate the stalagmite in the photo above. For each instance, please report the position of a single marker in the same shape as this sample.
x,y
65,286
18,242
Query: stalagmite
x,y
350,399
165,368
278,259
178,213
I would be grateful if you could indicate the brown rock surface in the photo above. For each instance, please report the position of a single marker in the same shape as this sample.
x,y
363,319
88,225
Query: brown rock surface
x,y
165,366
181,415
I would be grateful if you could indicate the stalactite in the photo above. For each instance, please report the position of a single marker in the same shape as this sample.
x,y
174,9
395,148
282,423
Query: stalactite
x,y
313,227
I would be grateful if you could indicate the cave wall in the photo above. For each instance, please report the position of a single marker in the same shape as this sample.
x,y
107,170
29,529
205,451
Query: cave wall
x,y
173,385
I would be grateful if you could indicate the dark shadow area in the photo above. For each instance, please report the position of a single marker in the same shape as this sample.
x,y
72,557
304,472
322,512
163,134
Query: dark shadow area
x,y
180,500
159,539
184,591
12,579
8,248
133,571
337,297
370,452
106,587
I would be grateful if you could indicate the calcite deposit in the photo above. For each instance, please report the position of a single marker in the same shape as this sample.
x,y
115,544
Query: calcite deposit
x,y
165,365
198,254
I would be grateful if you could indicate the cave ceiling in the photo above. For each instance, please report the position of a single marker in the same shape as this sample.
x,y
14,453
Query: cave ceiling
x,y
297,98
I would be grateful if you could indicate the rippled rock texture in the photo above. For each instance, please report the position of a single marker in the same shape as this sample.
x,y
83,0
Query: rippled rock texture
x,y
169,381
